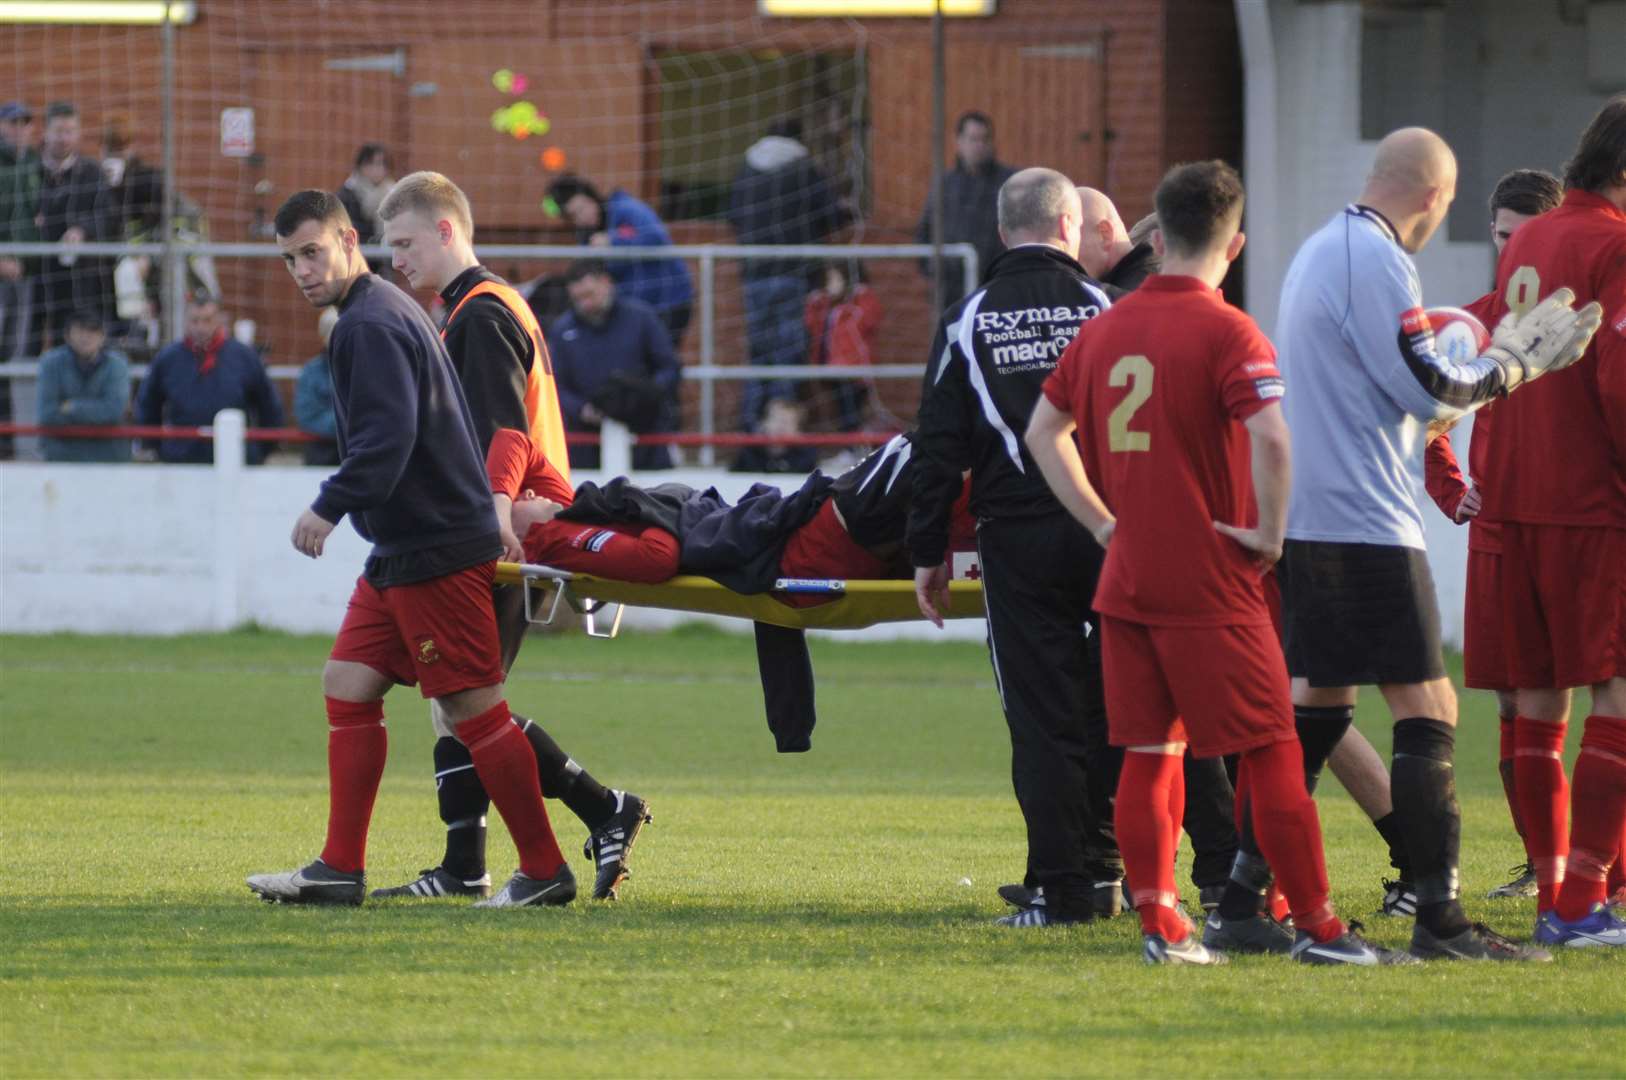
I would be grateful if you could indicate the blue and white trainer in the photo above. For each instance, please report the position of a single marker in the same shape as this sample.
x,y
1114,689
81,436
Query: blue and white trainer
x,y
1600,927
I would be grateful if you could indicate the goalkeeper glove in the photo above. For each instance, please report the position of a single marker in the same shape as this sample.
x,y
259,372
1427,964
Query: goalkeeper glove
x,y
1549,337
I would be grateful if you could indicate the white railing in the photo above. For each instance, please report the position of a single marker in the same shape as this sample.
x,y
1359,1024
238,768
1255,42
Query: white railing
x,y
707,373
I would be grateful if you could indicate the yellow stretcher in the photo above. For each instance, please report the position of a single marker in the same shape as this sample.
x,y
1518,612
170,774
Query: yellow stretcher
x,y
850,605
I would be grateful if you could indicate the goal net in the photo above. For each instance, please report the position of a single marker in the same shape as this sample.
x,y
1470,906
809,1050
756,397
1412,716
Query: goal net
x,y
664,100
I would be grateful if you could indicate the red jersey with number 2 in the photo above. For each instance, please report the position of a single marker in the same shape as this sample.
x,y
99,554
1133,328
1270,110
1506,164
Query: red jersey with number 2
x,y
1558,456
1159,386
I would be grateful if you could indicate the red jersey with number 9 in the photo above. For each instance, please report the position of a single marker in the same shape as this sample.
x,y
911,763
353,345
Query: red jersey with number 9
x,y
1558,456
1159,386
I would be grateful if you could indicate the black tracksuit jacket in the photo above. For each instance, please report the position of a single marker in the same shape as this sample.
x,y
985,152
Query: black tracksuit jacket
x,y
988,364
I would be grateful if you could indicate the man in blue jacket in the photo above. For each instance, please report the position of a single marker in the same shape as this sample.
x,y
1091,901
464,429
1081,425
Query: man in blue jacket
x,y
611,358
84,383
412,482
193,379
623,221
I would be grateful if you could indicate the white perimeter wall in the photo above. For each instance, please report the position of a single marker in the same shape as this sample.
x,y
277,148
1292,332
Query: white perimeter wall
x,y
125,549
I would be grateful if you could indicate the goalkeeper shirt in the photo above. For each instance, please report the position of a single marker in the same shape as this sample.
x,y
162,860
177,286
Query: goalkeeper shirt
x,y
1356,348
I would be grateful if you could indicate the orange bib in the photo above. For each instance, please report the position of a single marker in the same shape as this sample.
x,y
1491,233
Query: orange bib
x,y
541,395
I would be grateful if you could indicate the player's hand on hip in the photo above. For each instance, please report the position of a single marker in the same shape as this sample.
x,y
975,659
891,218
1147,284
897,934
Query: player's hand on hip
x,y
310,533
1469,506
1266,551
1104,534
1549,337
932,592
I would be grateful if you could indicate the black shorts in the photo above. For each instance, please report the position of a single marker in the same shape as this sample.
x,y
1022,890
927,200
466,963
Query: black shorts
x,y
1359,614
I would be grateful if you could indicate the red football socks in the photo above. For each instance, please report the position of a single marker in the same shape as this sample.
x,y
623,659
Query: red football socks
x,y
356,747
1617,872
1146,824
1596,814
1538,768
1510,788
1289,833
506,765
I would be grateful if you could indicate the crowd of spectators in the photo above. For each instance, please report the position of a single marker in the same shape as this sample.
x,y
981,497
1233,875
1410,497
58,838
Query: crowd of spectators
x,y
615,348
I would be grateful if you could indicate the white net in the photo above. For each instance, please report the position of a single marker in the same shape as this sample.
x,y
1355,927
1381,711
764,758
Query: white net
x,y
665,100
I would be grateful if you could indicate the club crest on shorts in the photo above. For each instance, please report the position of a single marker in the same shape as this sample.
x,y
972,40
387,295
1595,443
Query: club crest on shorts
x,y
427,652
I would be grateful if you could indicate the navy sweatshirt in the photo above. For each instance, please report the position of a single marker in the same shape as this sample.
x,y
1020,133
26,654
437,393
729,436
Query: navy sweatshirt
x,y
410,475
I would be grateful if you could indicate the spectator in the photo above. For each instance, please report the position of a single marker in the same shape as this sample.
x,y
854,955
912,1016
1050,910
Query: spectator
x,y
361,193
779,196
841,324
19,205
1106,250
782,419
193,379
74,209
970,202
84,383
313,398
612,357
135,188
622,221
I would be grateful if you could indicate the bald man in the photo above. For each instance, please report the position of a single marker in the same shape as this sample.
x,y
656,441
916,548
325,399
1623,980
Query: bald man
x,y
986,369
1363,381
1107,251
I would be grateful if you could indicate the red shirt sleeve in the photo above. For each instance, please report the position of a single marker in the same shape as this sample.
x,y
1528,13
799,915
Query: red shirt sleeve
x,y
1249,378
507,461
1442,476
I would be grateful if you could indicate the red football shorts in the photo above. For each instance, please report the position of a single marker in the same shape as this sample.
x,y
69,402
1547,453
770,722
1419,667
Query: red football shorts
x,y
439,635
1223,689
1484,663
641,553
1562,605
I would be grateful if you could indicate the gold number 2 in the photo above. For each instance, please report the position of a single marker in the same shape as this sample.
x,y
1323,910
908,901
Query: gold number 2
x,y
1134,372
1523,290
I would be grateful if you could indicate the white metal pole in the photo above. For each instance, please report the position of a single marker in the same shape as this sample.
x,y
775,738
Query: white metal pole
x,y
615,448
230,424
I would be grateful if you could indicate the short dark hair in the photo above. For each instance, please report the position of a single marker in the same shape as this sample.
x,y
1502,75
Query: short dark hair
x,y
310,205
972,116
583,268
1194,203
86,319
370,151
1526,191
1600,159
568,186
203,298
57,109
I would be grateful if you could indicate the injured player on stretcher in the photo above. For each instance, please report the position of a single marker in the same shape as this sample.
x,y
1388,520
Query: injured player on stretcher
x,y
849,527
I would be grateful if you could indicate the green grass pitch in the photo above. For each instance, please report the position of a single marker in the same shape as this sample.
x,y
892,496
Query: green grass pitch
x,y
788,915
